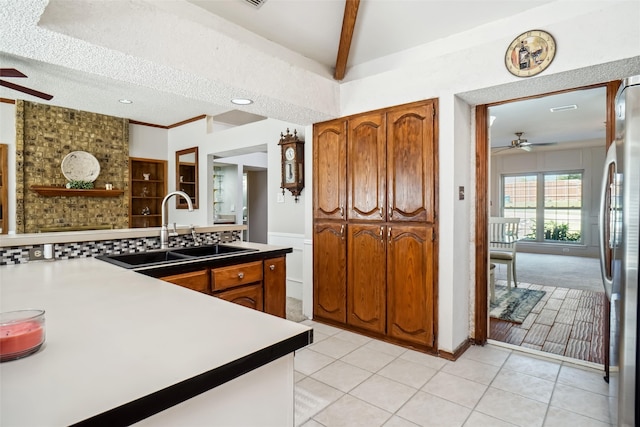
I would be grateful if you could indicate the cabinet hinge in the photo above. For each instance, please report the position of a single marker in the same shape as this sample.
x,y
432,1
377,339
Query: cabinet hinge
x,y
433,235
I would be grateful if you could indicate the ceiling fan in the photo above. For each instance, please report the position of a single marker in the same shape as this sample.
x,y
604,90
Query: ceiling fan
x,y
12,72
522,144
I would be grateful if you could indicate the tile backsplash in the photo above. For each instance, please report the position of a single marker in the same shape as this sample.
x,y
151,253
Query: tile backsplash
x,y
20,254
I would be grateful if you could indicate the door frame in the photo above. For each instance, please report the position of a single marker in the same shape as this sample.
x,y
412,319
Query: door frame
x,y
481,332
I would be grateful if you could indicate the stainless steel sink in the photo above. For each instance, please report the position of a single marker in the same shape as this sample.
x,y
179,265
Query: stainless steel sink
x,y
168,256
211,250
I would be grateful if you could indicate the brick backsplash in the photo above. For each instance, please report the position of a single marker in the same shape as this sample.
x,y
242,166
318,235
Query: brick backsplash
x,y
20,254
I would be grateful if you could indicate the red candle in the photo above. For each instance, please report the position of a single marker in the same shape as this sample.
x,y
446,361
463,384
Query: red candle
x,y
21,333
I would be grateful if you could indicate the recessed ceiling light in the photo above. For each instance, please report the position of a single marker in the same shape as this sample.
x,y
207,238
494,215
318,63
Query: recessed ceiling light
x,y
241,101
563,108
125,101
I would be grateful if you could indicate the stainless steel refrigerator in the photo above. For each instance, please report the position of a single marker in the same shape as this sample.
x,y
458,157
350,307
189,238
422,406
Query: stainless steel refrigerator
x,y
619,252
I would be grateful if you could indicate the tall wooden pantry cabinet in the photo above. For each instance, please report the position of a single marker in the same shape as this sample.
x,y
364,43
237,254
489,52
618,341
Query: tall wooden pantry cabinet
x,y
375,223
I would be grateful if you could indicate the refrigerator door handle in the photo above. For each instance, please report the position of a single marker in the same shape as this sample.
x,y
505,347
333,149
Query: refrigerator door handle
x,y
603,218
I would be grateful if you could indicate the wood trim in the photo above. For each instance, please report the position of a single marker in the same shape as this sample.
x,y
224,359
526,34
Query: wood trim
x,y
184,122
348,24
135,122
612,90
457,352
482,209
8,101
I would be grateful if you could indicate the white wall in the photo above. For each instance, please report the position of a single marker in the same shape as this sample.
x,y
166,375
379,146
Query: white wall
x,y
148,142
470,66
589,159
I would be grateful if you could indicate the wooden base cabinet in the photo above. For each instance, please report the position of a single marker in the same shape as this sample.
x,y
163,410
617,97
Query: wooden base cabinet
x,y
194,280
411,301
390,281
275,294
247,296
367,282
330,269
260,285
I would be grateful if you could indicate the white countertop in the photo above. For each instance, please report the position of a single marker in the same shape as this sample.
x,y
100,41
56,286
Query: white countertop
x,y
114,335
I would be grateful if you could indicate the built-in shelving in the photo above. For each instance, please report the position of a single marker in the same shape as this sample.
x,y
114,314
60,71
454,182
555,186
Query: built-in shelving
x,y
148,186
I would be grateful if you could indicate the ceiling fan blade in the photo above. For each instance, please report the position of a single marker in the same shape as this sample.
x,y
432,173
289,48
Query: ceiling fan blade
x,y
10,72
26,90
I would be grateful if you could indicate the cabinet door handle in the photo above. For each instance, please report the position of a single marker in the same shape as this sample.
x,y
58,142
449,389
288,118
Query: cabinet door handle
x,y
381,234
341,211
381,212
389,234
272,267
240,275
390,211
342,230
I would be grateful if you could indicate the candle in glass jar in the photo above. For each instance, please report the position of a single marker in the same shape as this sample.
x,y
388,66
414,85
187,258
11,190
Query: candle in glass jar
x,y
21,333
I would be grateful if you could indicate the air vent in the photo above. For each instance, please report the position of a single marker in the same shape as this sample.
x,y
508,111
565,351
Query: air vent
x,y
255,3
563,108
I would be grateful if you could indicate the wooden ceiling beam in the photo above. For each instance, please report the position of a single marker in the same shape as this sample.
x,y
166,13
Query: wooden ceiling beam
x,y
348,24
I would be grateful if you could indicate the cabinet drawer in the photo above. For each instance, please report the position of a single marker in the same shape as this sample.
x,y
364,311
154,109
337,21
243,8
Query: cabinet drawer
x,y
247,296
196,280
236,275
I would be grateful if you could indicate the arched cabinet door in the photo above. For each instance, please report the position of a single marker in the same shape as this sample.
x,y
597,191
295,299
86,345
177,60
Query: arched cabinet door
x,y
330,174
330,271
366,171
410,284
411,163
367,281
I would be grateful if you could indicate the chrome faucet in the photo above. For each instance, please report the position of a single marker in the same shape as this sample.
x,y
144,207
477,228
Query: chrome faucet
x,y
164,231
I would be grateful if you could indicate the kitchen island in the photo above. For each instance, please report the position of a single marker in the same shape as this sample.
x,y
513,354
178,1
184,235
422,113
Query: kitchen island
x,y
122,347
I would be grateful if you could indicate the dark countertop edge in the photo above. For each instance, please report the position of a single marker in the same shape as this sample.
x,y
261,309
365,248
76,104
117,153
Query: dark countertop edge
x,y
156,402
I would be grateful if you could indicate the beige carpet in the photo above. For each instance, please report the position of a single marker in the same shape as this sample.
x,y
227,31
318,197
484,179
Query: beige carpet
x,y
571,272
294,310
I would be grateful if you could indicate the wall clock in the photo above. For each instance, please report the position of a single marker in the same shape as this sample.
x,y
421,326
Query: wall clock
x,y
530,53
292,163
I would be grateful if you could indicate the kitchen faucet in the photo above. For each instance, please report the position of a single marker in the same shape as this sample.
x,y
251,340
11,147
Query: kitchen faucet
x,y
164,231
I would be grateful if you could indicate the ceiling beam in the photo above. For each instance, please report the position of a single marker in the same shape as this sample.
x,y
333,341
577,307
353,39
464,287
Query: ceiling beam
x,y
348,24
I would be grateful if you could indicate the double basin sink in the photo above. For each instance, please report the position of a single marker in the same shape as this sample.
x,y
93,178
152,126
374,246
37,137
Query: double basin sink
x,y
167,256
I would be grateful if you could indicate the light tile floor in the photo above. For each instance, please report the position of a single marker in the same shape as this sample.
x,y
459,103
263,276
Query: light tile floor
x,y
346,379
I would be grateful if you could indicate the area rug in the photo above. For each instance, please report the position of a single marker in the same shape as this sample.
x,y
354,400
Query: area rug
x,y
514,305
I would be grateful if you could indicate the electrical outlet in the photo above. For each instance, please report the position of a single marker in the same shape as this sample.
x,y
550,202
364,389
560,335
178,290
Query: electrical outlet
x,y
36,253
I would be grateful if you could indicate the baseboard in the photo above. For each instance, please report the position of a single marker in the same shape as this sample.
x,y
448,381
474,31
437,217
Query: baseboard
x,y
457,352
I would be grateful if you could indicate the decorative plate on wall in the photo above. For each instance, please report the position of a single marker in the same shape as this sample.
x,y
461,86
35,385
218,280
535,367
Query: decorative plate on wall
x,y
80,166
530,53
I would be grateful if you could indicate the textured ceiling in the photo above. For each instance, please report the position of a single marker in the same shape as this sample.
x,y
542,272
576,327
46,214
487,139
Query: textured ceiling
x,y
179,59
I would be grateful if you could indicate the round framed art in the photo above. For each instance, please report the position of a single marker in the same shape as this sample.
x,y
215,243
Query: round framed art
x,y
530,53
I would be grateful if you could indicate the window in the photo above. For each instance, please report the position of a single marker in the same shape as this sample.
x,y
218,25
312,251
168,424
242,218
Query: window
x,y
553,199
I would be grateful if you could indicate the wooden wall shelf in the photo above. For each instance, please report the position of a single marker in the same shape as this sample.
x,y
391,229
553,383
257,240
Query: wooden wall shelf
x,y
70,192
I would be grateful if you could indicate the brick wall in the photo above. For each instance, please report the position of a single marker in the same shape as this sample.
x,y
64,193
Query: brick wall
x,y
45,134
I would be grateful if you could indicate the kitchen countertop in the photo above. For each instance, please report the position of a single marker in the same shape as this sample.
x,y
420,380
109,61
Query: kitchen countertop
x,y
114,336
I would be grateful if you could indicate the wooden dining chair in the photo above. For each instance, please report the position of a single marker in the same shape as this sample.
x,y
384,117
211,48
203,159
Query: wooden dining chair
x,y
503,237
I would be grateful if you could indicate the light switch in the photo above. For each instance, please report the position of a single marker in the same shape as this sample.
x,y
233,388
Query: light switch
x,y
280,197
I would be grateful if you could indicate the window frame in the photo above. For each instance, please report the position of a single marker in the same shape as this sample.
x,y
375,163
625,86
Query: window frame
x,y
540,204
